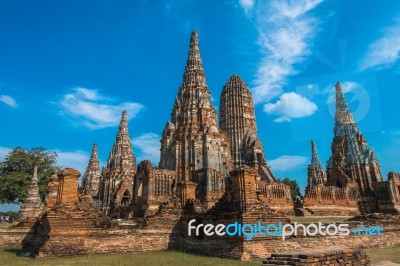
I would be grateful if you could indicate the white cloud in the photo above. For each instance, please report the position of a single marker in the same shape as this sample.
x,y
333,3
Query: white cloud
x,y
95,110
73,159
290,105
287,162
385,50
148,146
3,152
286,33
10,101
247,5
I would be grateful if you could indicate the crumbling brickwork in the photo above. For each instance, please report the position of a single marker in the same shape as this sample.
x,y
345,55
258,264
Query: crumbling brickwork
x,y
192,144
352,160
153,187
387,194
68,221
353,181
198,180
73,226
316,173
51,193
117,178
331,256
91,178
200,153
237,118
330,200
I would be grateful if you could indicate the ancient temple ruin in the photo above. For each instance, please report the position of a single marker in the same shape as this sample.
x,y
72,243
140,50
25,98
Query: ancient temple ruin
x,y
196,155
192,144
115,191
353,163
210,173
352,182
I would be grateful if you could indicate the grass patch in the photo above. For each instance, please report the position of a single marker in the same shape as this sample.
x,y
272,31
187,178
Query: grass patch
x,y
384,254
316,219
8,256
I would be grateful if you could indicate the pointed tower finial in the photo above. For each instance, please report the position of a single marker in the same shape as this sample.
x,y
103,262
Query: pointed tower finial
x,y
122,147
93,156
194,72
343,114
194,40
123,124
314,155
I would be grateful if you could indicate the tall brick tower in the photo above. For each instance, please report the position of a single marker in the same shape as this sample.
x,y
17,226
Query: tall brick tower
x,y
316,173
237,118
91,178
192,144
117,178
352,163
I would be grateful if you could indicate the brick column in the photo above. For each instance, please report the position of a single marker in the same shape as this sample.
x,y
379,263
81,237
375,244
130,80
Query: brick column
x,y
68,186
244,187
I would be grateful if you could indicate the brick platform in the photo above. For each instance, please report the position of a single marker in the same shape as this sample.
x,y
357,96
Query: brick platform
x,y
330,256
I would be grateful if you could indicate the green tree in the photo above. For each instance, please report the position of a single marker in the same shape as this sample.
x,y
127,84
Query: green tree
x,y
16,172
294,187
9,213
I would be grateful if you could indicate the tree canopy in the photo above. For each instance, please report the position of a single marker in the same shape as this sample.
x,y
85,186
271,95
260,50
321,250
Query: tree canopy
x,y
294,186
16,172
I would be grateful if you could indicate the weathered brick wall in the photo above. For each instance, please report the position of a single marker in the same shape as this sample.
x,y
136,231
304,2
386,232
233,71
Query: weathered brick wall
x,y
51,194
332,210
73,226
261,246
324,200
388,194
72,240
152,188
332,256
68,185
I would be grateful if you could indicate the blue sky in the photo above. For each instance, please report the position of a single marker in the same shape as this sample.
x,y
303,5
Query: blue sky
x,y
68,69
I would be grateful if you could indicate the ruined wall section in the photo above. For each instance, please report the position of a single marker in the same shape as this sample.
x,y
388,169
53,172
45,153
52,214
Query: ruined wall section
x,y
323,200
